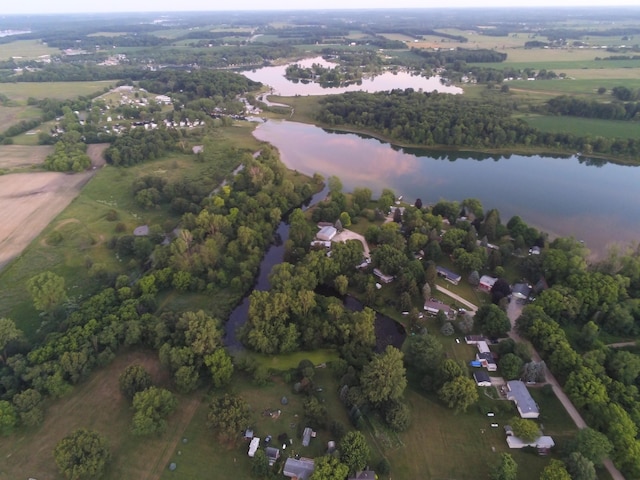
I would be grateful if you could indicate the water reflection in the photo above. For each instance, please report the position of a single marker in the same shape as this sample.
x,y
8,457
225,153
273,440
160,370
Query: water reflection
x,y
560,195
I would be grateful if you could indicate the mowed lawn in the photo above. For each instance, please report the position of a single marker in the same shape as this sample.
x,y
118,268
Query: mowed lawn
x,y
585,126
25,50
97,404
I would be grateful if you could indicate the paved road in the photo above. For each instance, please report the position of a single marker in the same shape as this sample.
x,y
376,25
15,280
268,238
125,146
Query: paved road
x,y
513,312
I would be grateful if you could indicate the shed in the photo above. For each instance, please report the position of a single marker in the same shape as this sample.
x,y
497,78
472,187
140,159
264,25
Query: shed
x,y
306,436
383,277
486,283
473,339
482,378
272,454
521,291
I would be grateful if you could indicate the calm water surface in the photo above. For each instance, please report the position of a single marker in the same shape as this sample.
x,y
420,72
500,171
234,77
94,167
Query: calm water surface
x,y
274,77
562,196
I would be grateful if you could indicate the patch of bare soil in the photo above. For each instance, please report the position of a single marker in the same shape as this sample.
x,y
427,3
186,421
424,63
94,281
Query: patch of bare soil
x,y
29,201
19,156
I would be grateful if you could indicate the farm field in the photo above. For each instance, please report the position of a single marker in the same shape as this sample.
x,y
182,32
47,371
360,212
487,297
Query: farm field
x,y
32,200
584,126
98,404
21,91
19,157
10,115
25,50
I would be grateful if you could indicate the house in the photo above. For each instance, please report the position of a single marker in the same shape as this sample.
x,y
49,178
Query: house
x,y
432,308
517,392
272,454
298,469
474,339
487,361
482,378
483,347
164,99
253,446
534,251
486,283
384,278
248,434
521,291
364,475
543,443
327,233
448,275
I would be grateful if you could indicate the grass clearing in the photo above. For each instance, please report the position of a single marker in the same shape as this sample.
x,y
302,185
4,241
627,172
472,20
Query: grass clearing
x,y
585,126
14,114
97,404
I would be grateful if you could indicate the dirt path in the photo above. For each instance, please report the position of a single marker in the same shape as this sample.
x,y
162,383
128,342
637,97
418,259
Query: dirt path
x,y
473,308
186,413
513,311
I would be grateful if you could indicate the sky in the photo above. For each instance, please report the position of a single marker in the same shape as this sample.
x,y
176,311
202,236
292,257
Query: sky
x,y
89,6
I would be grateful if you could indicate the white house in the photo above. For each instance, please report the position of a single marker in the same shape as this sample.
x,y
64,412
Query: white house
x,y
482,378
253,446
326,233
517,392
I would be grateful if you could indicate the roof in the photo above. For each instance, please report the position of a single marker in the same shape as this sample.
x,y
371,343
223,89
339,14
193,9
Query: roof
x,y
327,233
483,347
364,475
517,391
540,442
487,356
448,273
481,376
306,436
487,280
436,306
521,290
298,468
272,454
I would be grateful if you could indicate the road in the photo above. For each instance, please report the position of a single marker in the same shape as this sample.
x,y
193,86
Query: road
x,y
513,312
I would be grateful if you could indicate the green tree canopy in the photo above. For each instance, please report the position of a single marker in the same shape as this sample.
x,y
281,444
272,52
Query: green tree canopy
x,y
82,455
555,470
151,408
8,333
592,445
507,469
220,366
527,430
134,379
383,378
8,417
228,416
47,291
354,451
329,468
459,394
492,321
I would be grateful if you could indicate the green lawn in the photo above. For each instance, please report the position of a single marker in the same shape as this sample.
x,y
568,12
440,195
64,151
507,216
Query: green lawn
x,y
585,126
21,91
25,50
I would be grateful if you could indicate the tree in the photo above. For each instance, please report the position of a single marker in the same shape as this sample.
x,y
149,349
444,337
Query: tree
x,y
260,464
329,468
341,283
492,321
500,290
423,352
134,379
580,467
228,415
555,470
220,366
47,291
397,415
383,378
83,454
527,430
510,365
28,405
354,451
459,393
8,333
507,469
151,407
593,445
8,417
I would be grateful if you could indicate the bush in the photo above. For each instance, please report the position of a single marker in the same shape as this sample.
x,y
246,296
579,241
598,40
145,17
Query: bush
x,y
112,216
54,238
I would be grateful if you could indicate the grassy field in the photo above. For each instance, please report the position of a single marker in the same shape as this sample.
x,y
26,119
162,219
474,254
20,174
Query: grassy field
x,y
21,91
19,157
25,50
12,115
584,126
97,404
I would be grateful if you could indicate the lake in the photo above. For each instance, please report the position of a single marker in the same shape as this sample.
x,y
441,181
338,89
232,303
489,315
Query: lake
x,y
274,78
598,203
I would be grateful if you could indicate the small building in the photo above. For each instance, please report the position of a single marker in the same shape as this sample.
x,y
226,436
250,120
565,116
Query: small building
x,y
487,361
521,291
364,475
164,99
306,436
517,392
327,233
543,443
448,275
298,468
482,378
248,434
197,149
474,339
483,347
253,446
432,308
486,283
534,250
273,454
383,277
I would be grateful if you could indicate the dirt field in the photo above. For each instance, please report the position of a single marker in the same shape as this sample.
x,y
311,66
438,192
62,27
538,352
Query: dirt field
x,y
20,156
31,200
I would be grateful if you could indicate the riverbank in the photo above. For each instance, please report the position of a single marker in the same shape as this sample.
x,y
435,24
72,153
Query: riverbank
x,y
303,110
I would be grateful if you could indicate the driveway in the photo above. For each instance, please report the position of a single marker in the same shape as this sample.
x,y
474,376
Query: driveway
x,y
345,235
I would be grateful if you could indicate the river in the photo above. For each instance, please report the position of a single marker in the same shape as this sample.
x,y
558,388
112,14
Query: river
x,y
596,202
